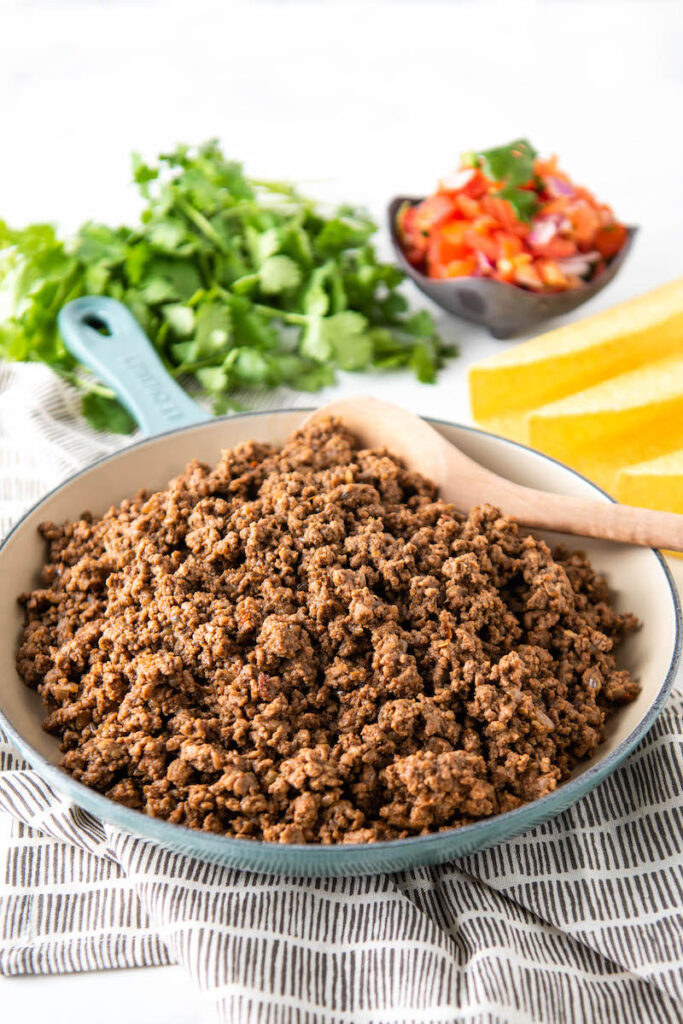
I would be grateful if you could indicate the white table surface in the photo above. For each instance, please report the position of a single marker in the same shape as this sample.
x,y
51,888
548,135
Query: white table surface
x,y
359,101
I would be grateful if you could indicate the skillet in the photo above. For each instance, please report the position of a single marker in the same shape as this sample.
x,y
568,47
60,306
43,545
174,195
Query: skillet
x,y
105,336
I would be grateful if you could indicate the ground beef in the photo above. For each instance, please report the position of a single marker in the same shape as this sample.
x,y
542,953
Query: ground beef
x,y
305,645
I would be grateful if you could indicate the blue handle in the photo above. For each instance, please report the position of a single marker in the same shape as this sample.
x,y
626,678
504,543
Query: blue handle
x,y
103,335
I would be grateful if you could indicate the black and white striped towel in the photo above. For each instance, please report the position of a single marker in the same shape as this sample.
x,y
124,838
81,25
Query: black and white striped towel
x,y
579,920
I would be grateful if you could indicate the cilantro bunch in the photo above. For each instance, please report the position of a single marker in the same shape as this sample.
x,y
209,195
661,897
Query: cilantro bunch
x,y
238,283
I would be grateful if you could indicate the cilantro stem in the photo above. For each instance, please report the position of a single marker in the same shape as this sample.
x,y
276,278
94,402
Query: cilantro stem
x,y
204,270
180,371
200,221
249,206
85,385
60,294
244,283
285,188
282,314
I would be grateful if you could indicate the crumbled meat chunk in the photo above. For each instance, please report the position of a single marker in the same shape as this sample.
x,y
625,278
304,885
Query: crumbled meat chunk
x,y
431,789
305,645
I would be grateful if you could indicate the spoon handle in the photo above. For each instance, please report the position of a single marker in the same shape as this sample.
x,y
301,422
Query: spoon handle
x,y
626,523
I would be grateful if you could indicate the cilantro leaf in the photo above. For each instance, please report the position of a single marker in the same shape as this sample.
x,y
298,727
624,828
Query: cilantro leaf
x,y
423,363
261,244
180,318
166,235
278,273
314,344
512,166
522,201
420,325
213,379
315,378
316,301
349,344
250,367
344,232
105,413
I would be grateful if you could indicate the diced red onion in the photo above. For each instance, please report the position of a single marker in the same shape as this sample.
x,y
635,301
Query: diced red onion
x,y
543,231
484,262
579,265
557,187
458,179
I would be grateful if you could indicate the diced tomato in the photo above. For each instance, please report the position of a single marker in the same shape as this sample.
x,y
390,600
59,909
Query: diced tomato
x,y
476,186
501,210
413,241
551,274
585,222
485,224
556,249
506,270
414,254
544,168
558,206
483,243
468,207
609,239
447,244
461,268
510,245
528,276
405,219
434,211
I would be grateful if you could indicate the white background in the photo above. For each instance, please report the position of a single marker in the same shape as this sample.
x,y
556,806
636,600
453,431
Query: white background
x,y
358,101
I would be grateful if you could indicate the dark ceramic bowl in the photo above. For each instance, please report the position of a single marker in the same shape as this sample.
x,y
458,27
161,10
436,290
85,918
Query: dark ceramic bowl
x,y
504,308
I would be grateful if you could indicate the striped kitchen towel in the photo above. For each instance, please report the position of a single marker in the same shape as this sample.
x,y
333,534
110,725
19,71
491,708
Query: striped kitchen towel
x,y
578,920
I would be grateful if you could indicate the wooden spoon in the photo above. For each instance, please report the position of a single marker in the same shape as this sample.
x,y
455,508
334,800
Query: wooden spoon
x,y
465,483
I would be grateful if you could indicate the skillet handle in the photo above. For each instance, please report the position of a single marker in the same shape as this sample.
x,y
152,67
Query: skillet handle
x,y
104,335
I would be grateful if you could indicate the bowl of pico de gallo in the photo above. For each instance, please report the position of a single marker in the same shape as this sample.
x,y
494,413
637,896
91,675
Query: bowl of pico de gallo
x,y
508,240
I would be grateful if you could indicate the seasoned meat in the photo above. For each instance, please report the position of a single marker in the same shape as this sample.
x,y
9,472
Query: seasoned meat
x,y
306,645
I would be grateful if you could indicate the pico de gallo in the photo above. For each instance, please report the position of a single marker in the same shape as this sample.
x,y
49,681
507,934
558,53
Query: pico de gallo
x,y
512,216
